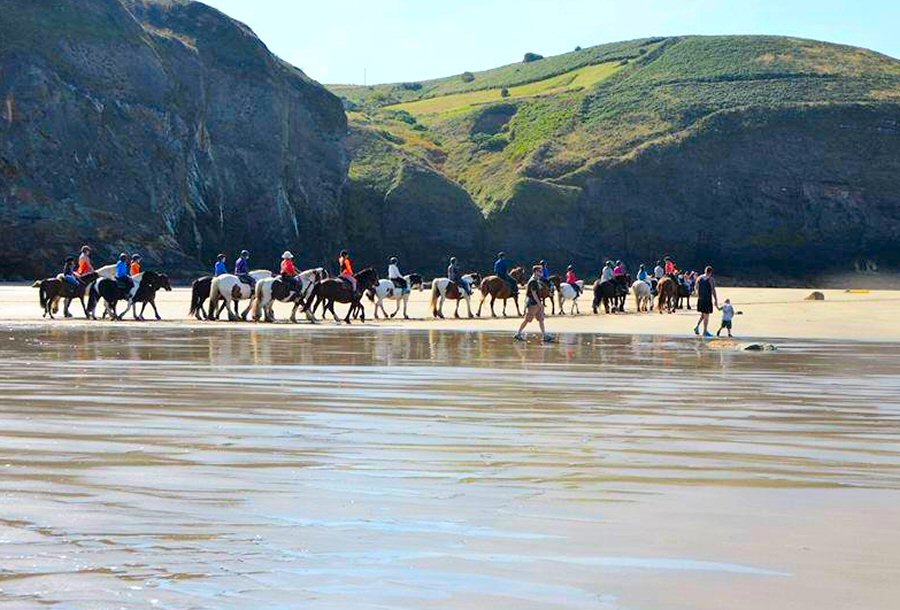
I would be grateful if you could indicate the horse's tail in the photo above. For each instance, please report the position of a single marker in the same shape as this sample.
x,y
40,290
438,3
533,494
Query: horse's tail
x,y
213,298
93,295
313,293
43,294
435,294
257,302
195,297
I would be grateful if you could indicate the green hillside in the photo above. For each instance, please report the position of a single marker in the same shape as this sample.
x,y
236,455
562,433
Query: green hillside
x,y
561,114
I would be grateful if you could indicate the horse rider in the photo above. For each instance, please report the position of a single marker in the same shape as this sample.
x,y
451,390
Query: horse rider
x,y
395,276
345,264
501,270
220,268
69,273
659,272
84,262
642,275
619,270
242,269
671,269
454,276
123,278
606,275
135,268
545,273
572,279
289,270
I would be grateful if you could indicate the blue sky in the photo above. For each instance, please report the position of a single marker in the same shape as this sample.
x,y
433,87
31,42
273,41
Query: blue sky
x,y
334,41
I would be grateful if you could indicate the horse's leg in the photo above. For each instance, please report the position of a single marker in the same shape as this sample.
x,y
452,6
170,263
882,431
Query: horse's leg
x,y
440,310
155,310
689,302
469,306
493,313
405,300
456,311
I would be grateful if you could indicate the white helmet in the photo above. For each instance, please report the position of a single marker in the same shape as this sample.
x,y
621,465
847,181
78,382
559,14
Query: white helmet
x,y
287,254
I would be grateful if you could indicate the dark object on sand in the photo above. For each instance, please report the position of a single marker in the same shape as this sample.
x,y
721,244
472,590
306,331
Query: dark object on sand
x,y
816,296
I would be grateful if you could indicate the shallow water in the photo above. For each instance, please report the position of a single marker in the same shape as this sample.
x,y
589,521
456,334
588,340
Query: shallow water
x,y
185,468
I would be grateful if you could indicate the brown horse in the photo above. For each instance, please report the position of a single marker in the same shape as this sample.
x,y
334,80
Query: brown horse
x,y
498,288
667,289
52,289
336,290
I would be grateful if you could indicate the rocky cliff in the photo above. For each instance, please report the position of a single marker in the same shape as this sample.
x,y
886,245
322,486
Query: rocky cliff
x,y
165,128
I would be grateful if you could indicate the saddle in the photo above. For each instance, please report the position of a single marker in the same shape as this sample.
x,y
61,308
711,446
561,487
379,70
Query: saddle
x,y
400,284
246,279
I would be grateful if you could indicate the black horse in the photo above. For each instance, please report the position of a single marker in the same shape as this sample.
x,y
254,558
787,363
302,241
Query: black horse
x,y
199,294
55,288
684,293
336,290
612,294
111,291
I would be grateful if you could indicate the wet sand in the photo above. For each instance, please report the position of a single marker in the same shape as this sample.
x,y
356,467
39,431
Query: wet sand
x,y
767,313
286,467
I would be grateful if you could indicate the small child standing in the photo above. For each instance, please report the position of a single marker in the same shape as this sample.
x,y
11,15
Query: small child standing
x,y
727,316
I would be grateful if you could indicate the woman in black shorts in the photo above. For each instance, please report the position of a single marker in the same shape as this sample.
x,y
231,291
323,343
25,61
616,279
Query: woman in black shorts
x,y
707,299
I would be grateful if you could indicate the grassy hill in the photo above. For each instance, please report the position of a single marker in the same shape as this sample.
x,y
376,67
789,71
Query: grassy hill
x,y
538,136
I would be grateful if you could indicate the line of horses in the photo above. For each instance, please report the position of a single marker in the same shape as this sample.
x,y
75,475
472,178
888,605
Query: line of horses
x,y
315,288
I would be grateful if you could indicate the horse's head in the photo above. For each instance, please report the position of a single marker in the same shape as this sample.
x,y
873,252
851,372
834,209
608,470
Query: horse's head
x,y
475,276
518,274
555,281
367,278
164,282
370,293
415,280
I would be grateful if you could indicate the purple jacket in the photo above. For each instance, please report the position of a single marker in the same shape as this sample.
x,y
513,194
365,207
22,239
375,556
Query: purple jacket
x,y
241,266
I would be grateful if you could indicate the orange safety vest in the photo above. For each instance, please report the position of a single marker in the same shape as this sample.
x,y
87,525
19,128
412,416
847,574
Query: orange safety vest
x,y
135,268
346,265
84,266
287,268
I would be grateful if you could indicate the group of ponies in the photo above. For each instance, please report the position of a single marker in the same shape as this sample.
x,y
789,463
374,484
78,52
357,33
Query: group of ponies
x,y
101,285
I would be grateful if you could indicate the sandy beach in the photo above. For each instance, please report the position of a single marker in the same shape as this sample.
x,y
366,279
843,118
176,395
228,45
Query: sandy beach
x,y
767,313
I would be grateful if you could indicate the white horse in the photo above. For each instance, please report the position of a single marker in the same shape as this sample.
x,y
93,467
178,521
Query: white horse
x,y
568,293
387,290
643,295
230,289
439,291
266,294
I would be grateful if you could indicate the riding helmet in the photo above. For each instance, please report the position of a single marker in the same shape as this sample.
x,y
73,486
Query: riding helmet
x,y
135,257
85,248
393,260
245,254
452,259
221,257
70,259
570,268
500,255
287,254
123,257
343,253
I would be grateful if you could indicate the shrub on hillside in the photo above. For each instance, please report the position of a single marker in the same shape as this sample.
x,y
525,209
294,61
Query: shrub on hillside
x,y
467,77
530,57
490,143
410,86
504,92
578,48
401,115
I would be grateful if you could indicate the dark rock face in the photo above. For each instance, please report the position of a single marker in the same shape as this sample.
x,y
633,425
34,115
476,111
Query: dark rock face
x,y
168,129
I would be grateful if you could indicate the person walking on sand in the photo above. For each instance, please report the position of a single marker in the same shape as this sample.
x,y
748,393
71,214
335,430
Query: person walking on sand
x,y
534,308
706,300
727,316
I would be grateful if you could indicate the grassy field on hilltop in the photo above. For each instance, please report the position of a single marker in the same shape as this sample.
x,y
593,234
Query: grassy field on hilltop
x,y
575,80
511,75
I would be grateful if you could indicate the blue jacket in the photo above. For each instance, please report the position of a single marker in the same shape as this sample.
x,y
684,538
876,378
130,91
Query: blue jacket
x,y
122,269
546,272
220,269
241,266
501,268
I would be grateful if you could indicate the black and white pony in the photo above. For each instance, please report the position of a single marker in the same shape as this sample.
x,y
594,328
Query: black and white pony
x,y
273,289
387,290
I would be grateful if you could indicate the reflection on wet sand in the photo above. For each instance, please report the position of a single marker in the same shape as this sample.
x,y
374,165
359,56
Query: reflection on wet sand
x,y
269,468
